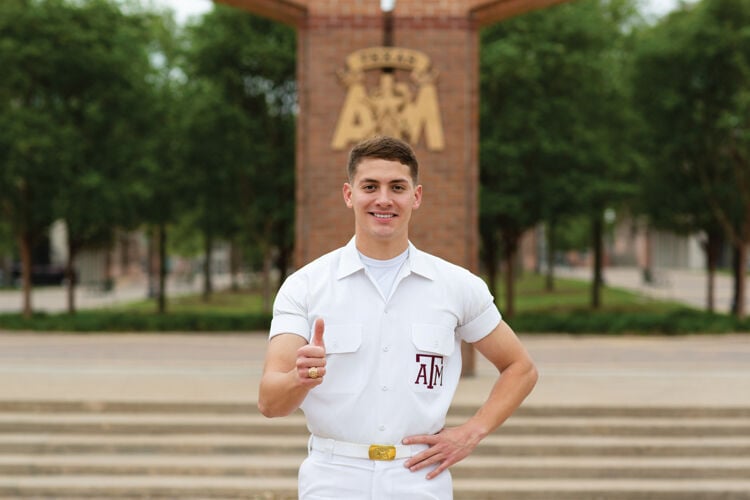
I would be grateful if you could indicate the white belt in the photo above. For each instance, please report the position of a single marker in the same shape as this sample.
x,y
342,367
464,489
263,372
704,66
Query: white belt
x,y
370,451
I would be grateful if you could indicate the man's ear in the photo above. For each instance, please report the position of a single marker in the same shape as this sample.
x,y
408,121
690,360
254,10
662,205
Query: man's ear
x,y
347,192
417,197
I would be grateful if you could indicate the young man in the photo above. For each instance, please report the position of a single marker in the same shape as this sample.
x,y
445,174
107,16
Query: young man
x,y
366,340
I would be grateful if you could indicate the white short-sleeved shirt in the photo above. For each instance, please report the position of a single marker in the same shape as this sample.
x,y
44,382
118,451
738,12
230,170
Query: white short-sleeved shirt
x,y
392,363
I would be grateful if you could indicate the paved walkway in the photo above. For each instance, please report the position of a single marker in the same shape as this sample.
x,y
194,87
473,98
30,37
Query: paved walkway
x,y
575,371
54,298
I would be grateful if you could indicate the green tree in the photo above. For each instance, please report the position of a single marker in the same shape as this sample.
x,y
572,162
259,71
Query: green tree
x,y
251,61
76,106
105,95
696,67
216,150
553,116
37,140
166,175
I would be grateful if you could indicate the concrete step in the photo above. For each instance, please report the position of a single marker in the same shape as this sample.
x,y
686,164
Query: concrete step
x,y
117,450
285,488
103,407
478,467
196,423
273,444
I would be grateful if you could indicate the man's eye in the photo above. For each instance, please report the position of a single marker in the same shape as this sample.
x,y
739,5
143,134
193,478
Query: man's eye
x,y
398,188
368,187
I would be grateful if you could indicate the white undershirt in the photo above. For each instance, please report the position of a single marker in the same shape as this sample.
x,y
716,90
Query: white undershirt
x,y
384,272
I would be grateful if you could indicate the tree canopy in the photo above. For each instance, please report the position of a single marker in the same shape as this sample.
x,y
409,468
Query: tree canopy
x,y
554,120
692,77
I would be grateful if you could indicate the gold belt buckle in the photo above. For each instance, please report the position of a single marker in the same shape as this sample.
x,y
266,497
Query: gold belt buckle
x,y
382,452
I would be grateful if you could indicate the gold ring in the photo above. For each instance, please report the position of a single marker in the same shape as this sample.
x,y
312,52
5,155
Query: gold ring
x,y
312,372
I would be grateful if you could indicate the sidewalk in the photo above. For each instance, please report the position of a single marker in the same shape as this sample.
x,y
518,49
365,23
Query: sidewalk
x,y
575,370
690,371
54,298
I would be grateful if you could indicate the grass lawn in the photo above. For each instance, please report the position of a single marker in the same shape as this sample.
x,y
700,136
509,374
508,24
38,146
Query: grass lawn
x,y
531,296
566,309
223,302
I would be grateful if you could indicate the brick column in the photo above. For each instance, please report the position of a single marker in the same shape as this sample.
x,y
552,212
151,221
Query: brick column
x,y
446,224
446,32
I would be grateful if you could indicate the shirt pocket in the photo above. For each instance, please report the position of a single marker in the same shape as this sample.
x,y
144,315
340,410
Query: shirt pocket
x,y
433,344
345,369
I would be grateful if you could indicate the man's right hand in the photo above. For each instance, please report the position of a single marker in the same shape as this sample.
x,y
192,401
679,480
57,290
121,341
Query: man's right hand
x,y
311,359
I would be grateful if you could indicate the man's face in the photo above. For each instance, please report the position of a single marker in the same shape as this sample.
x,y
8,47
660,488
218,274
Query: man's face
x,y
382,195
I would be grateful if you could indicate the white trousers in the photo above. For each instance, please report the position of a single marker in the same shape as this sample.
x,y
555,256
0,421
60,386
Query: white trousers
x,y
323,476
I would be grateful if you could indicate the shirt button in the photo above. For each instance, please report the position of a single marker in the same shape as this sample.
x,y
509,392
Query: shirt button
x,y
386,349
385,388
382,427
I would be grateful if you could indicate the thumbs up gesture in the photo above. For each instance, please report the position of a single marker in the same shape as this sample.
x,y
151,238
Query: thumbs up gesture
x,y
317,339
311,359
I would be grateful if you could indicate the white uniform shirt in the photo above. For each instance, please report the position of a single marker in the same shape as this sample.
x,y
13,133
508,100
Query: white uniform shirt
x,y
392,363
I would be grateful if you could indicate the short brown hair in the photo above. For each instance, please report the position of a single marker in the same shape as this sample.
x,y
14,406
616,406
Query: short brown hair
x,y
383,148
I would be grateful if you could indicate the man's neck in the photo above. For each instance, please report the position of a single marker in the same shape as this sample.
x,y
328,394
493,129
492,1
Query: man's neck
x,y
381,250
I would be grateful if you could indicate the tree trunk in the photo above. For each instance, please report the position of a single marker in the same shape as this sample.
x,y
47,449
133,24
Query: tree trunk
x,y
208,250
741,274
648,265
597,237
713,244
70,276
509,260
234,265
551,249
489,251
266,277
735,279
162,291
151,280
24,246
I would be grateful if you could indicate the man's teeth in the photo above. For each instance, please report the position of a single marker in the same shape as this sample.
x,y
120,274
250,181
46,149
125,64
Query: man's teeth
x,y
383,216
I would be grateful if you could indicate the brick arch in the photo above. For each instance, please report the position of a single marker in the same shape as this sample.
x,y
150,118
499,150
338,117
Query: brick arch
x,y
294,12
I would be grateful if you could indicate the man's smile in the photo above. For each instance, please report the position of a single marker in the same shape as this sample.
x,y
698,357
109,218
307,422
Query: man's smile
x,y
383,216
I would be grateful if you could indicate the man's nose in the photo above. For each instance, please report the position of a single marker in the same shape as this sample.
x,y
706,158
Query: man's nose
x,y
384,197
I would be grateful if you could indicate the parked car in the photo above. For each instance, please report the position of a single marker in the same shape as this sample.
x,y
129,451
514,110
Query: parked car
x,y
41,274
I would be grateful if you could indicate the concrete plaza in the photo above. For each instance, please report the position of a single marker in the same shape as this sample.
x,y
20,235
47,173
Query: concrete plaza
x,y
171,416
575,370
689,371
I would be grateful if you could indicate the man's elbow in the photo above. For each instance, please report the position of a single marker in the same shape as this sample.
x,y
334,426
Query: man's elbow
x,y
270,411
530,375
265,410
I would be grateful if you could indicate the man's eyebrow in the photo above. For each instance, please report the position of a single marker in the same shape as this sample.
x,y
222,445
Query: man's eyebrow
x,y
392,181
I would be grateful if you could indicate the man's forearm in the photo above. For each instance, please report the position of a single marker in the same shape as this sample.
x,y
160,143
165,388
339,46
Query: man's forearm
x,y
507,394
280,394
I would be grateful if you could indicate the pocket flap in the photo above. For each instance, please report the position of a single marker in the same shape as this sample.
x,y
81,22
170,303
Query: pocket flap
x,y
342,338
434,338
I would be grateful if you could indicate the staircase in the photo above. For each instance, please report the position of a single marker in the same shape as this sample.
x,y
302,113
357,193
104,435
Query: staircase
x,y
188,451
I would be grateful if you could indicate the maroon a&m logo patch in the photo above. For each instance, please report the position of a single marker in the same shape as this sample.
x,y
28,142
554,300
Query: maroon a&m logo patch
x,y
430,372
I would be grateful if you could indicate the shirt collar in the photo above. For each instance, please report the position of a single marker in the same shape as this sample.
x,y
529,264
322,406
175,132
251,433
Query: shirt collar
x,y
350,262
417,262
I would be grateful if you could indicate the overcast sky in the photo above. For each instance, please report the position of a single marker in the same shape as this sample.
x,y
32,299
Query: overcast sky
x,y
186,8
